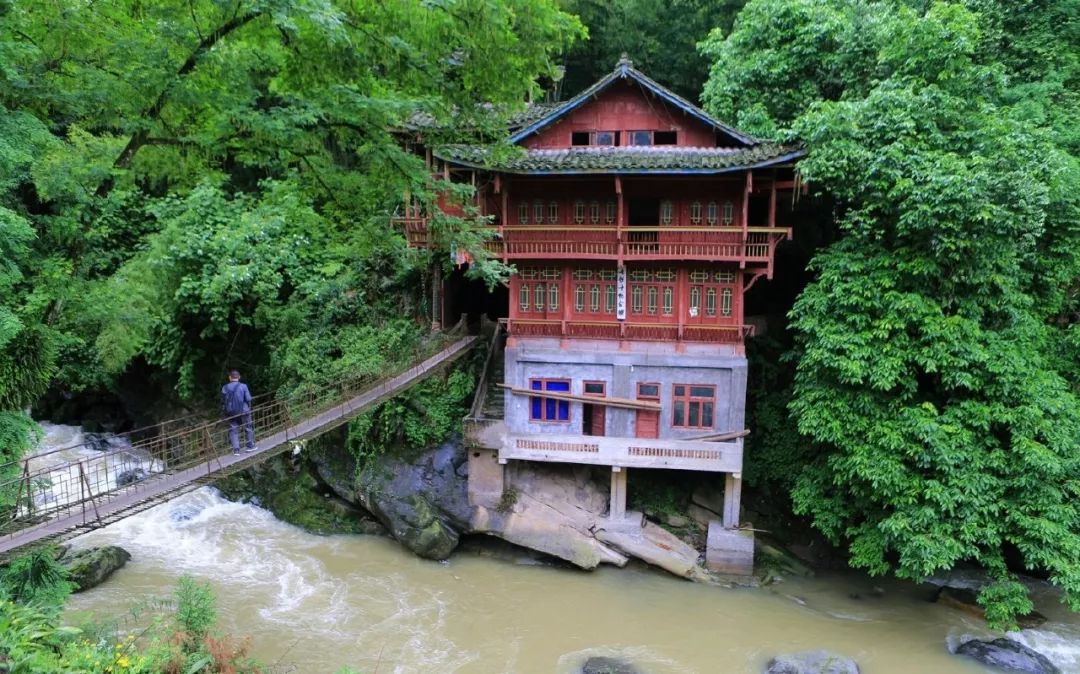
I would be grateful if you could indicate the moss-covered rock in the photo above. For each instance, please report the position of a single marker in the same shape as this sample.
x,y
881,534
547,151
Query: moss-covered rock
x,y
287,487
89,568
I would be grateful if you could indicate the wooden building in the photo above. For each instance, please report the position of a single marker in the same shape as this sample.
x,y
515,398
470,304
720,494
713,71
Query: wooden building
x,y
636,223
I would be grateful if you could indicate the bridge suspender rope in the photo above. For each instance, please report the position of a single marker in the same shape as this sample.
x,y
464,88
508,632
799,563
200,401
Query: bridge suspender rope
x,y
82,495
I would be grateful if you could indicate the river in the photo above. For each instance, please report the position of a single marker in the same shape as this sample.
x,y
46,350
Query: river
x,y
313,604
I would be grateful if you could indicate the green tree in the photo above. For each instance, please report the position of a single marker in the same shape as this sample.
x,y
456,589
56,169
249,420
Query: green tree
x,y
932,368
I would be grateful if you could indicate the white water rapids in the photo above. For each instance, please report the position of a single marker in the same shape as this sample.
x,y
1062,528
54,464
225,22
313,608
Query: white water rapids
x,y
314,604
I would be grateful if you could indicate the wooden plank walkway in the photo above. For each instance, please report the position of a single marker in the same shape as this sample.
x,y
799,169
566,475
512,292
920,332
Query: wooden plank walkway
x,y
125,501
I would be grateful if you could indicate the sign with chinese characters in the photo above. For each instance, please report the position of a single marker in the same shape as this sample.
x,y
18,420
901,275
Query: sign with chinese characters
x,y
620,295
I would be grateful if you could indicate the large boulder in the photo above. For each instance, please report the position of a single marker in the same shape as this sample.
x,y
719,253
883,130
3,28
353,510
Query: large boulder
x,y
601,664
1007,655
422,499
333,464
811,662
90,567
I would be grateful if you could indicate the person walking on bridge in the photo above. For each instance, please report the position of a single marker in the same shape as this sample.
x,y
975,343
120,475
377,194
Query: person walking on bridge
x,y
236,407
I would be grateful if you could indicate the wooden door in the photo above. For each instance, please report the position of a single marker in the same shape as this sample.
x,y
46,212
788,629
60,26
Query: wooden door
x,y
594,417
647,422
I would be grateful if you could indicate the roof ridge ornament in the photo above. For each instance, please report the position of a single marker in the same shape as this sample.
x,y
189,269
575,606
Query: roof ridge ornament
x,y
624,62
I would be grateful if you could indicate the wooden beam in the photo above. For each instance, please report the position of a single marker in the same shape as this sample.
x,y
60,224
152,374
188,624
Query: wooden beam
x,y
626,403
721,437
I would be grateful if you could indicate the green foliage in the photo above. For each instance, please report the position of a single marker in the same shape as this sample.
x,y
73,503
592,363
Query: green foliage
x,y
933,352
196,608
660,38
36,578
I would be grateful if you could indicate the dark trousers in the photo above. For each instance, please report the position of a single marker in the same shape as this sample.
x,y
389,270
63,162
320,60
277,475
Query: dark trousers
x,y
234,430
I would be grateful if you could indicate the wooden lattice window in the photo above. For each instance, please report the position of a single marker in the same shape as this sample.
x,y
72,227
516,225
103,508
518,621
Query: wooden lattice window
x,y
523,213
728,214
669,301
579,212
538,212
710,302
523,297
695,213
712,213
725,302
609,299
636,299
695,301
653,295
594,213
579,298
539,295
553,297
610,213
553,212
693,406
667,210
583,274
725,277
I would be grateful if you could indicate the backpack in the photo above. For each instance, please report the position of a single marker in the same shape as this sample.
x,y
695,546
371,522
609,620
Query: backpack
x,y
232,398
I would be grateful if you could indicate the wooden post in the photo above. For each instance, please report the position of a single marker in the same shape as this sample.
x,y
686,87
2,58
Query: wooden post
x,y
436,296
746,217
619,218
682,291
505,217
732,496
772,201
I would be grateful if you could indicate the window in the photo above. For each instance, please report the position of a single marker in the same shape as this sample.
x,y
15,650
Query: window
x,y
538,212
549,409
579,298
692,406
523,213
635,300
653,294
725,302
610,213
523,297
648,391
609,299
665,137
695,301
604,138
538,296
712,213
725,277
553,297
594,299
641,138
594,212
666,210
583,274
669,296
594,388
695,213
579,212
579,138
710,302
728,213
553,212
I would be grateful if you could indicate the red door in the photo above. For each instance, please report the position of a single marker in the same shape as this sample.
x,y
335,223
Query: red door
x,y
594,416
647,422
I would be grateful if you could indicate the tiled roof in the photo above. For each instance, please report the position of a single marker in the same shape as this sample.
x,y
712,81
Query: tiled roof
x,y
632,159
420,121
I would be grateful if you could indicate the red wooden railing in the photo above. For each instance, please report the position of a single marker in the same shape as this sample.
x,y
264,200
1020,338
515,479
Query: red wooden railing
x,y
650,332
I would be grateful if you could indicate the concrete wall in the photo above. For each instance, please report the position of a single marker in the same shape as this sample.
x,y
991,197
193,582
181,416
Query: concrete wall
x,y
623,369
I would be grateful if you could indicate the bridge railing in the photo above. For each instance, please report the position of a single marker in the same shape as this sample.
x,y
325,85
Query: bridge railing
x,y
38,487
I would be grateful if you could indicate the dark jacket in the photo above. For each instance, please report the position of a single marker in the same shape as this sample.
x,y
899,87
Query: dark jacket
x,y
235,398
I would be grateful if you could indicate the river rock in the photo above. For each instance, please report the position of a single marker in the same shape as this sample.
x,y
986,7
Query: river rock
x,y
811,662
89,568
1007,655
601,664
130,477
96,442
422,500
333,463
966,600
772,556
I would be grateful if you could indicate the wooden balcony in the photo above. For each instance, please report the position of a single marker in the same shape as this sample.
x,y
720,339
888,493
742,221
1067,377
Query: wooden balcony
x,y
719,457
753,246
624,330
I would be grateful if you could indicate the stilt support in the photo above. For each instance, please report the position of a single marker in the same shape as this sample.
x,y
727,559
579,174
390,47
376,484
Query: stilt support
x,y
618,493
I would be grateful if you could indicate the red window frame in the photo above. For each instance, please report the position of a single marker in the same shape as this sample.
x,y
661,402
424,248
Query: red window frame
x,y
585,388
688,404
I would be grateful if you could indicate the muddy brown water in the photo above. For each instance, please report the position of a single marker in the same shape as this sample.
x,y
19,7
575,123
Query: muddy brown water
x,y
314,604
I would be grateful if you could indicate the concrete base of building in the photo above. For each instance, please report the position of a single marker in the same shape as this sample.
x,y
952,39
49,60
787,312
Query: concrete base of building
x,y
487,477
729,551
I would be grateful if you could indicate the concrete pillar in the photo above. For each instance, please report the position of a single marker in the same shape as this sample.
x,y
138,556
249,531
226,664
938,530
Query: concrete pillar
x,y
618,493
436,297
732,497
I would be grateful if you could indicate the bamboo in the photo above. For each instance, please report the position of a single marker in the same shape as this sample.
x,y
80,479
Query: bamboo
x,y
625,403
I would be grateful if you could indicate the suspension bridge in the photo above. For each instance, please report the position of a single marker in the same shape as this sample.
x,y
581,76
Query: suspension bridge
x,y
54,495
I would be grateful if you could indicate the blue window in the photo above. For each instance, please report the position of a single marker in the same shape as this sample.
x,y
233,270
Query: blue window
x,y
549,409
